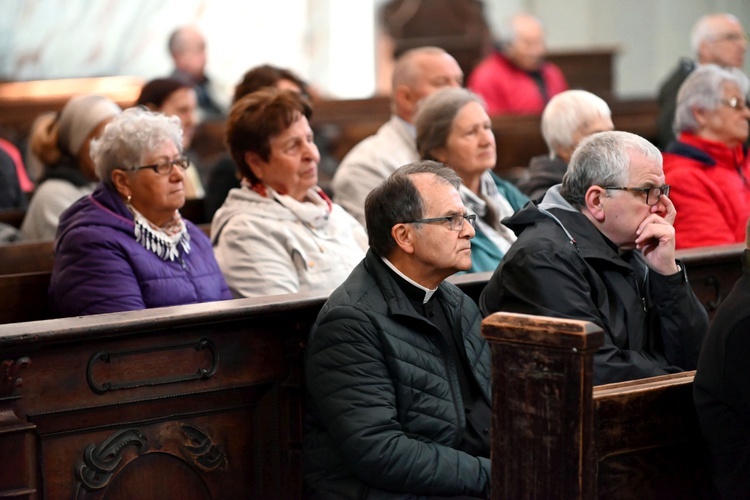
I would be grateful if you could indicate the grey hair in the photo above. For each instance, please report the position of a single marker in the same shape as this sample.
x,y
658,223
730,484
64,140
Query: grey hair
x,y
603,159
397,200
703,89
568,112
405,71
704,29
509,30
435,115
130,137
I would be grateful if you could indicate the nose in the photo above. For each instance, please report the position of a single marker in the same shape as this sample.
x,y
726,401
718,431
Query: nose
x,y
660,207
467,230
311,152
177,174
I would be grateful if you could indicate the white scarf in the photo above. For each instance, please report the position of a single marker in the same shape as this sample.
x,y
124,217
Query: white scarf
x,y
502,237
164,242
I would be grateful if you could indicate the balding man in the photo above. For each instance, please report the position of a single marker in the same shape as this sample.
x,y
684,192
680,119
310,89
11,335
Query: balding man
x,y
417,73
515,78
569,117
715,39
187,46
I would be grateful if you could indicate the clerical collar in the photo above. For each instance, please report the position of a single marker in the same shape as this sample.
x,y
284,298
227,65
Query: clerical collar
x,y
427,292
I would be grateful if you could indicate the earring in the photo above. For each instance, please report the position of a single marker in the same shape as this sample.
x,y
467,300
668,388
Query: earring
x,y
128,200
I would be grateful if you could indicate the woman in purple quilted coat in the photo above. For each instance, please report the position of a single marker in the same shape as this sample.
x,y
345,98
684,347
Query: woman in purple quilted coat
x,y
125,246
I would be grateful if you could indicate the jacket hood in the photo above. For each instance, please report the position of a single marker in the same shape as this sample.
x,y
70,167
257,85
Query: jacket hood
x,y
87,212
534,211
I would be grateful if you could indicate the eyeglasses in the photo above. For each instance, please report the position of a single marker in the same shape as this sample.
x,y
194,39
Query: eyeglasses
x,y
735,103
653,194
731,37
166,167
456,222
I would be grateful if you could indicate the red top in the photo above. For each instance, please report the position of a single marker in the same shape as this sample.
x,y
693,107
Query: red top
x,y
23,178
710,191
508,89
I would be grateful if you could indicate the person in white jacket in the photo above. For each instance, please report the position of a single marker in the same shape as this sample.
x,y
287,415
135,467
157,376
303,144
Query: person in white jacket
x,y
279,233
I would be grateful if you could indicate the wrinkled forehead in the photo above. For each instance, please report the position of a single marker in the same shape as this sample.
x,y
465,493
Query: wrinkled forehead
x,y
645,170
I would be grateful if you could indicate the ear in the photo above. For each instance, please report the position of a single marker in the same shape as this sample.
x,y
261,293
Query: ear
x,y
255,164
403,234
594,202
403,96
440,154
700,114
121,180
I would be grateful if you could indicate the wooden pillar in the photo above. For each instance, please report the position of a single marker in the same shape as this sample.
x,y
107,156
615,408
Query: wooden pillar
x,y
18,472
542,425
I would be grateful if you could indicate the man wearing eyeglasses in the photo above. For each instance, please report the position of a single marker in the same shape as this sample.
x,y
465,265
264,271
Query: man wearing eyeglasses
x,y
600,247
715,39
397,373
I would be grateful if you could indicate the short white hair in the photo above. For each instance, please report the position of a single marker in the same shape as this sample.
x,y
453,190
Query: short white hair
x,y
568,112
703,89
704,29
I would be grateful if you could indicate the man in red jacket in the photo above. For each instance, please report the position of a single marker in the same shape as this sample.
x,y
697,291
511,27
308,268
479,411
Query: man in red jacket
x,y
515,79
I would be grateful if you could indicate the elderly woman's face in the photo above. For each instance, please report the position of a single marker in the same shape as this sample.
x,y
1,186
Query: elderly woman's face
x,y
292,166
470,147
728,123
156,195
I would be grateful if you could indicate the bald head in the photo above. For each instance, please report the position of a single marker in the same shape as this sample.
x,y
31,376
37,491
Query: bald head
x,y
418,73
719,39
188,49
523,41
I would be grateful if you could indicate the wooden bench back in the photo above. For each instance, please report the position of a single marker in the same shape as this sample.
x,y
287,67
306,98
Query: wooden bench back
x,y
23,257
555,435
712,272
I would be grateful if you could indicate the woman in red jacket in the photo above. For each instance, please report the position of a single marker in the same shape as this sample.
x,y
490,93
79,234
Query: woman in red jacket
x,y
708,166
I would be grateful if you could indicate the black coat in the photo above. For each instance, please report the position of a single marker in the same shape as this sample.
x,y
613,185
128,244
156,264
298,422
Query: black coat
x,y
721,390
653,324
385,413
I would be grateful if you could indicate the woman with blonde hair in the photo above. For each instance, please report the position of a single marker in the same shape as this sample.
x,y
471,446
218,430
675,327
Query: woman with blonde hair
x,y
61,141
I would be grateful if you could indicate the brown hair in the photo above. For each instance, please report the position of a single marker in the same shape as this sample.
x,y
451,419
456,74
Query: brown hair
x,y
264,76
256,118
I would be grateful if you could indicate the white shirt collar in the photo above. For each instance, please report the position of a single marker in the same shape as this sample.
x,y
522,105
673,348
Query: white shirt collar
x,y
427,292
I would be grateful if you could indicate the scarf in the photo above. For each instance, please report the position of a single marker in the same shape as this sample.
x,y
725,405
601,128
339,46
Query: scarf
x,y
164,241
502,237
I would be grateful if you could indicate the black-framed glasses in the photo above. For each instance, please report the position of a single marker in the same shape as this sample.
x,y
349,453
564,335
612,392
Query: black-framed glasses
x,y
166,167
653,194
456,222
735,103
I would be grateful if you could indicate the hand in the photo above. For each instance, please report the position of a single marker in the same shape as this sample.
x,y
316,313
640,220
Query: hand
x,y
656,239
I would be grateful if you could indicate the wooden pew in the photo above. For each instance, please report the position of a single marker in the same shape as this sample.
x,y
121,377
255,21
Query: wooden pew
x,y
12,217
712,272
26,257
22,102
198,401
194,401
555,435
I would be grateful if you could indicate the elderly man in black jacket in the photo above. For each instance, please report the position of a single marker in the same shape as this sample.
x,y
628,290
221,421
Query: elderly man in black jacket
x,y
398,376
600,247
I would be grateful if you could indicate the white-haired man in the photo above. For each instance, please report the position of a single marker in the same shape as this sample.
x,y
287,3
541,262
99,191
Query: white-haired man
x,y
715,39
569,117
515,78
